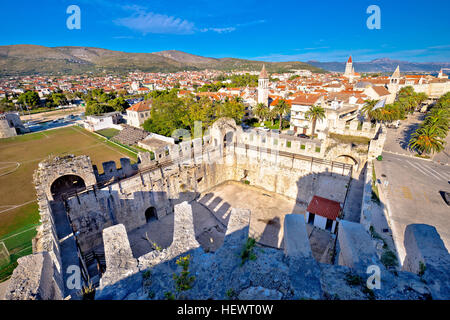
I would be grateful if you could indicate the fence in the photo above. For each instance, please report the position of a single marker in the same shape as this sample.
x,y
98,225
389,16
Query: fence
x,y
4,255
14,246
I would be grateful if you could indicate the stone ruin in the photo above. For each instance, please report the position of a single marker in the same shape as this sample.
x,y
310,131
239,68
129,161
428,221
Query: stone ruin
x,y
106,210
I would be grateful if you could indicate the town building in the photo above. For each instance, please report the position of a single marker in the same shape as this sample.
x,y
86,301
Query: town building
x,y
263,87
103,121
323,213
138,113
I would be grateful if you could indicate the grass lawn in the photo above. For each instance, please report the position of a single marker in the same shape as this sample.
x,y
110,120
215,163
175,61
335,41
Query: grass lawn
x,y
19,157
108,133
349,139
269,125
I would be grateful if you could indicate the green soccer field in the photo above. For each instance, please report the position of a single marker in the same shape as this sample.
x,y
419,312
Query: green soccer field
x,y
19,157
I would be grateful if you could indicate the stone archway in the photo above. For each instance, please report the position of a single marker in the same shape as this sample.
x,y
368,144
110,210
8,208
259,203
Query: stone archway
x,y
225,131
150,214
66,184
347,159
53,168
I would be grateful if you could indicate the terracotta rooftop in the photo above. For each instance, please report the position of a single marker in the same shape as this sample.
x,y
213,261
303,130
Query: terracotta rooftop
x,y
141,106
381,91
327,208
306,99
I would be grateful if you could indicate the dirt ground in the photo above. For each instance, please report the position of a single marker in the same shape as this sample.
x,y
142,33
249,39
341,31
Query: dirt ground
x,y
52,115
211,212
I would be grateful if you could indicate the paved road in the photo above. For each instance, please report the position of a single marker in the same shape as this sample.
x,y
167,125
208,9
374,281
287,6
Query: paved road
x,y
411,188
397,139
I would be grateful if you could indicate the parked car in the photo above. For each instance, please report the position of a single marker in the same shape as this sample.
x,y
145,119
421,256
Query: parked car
x,y
264,129
302,135
394,124
275,131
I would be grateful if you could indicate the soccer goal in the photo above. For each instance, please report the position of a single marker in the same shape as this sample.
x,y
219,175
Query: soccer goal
x,y
4,255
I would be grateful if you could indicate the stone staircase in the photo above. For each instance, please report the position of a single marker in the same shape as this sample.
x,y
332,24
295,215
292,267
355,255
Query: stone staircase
x,y
130,135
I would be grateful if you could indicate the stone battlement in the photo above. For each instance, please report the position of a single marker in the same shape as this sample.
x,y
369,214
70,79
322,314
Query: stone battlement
x,y
110,205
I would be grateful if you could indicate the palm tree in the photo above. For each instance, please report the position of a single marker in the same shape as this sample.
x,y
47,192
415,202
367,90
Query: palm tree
x,y
426,139
439,118
313,114
282,108
367,110
272,114
261,111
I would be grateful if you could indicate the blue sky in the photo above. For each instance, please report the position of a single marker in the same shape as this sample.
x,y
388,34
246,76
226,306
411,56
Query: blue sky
x,y
264,30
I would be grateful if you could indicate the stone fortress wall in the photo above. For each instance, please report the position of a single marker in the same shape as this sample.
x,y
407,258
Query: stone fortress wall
x,y
10,125
119,197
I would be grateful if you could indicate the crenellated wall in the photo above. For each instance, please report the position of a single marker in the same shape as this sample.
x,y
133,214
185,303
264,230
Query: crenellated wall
x,y
120,197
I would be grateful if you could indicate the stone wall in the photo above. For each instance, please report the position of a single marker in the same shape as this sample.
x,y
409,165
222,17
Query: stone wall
x,y
104,215
355,128
269,274
366,206
35,278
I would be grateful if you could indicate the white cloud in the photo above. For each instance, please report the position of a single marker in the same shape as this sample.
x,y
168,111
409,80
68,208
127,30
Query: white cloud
x,y
219,30
156,23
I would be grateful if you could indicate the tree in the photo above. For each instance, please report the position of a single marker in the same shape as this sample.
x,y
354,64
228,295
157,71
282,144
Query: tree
x,y
29,99
231,109
198,110
426,140
6,105
367,109
272,115
166,115
56,99
95,108
282,108
313,114
261,111
119,104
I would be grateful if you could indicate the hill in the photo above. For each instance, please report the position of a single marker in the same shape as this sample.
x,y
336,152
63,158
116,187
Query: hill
x,y
383,65
34,59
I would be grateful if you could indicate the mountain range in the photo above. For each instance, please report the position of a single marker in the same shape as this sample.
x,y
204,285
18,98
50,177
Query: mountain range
x,y
34,59
383,65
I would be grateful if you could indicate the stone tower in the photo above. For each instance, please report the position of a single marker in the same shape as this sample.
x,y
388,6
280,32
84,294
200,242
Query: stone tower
x,y
263,87
395,78
394,81
349,67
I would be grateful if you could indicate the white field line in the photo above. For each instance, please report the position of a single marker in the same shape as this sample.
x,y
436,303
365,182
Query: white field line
x,y
17,206
125,155
26,248
11,236
12,170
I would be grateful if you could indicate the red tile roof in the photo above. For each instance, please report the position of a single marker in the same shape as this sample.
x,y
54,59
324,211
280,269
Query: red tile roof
x,y
381,91
306,99
141,106
327,208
